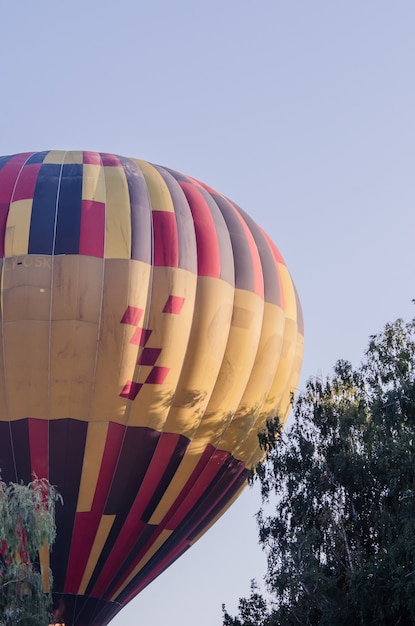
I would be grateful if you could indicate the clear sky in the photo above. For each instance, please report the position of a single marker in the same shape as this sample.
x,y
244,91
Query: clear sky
x,y
302,112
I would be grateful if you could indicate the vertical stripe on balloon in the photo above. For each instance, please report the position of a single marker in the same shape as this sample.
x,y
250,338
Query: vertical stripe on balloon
x,y
8,176
141,241
42,223
39,447
68,220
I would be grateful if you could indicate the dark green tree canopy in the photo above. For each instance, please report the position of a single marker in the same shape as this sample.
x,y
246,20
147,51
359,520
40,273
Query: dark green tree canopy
x,y
340,542
27,524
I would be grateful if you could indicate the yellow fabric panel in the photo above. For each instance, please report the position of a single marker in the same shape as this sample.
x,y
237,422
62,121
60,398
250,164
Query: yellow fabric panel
x,y
170,333
77,287
94,451
44,559
55,156
239,357
251,453
26,288
68,350
74,156
75,314
93,183
26,349
285,364
72,365
251,447
160,197
204,356
288,348
17,228
104,528
118,214
291,387
26,312
290,301
162,538
278,395
242,346
280,392
267,356
126,283
260,381
181,476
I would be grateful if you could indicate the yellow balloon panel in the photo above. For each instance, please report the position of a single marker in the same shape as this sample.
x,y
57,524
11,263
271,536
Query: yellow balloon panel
x,y
18,228
27,367
125,293
206,347
117,214
242,346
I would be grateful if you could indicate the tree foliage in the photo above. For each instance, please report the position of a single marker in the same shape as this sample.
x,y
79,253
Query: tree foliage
x,y
340,542
27,524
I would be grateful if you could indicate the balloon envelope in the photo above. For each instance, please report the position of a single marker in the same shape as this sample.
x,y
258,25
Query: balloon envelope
x,y
149,328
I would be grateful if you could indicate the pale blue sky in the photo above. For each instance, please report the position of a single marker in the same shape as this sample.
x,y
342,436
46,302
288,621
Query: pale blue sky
x,y
300,111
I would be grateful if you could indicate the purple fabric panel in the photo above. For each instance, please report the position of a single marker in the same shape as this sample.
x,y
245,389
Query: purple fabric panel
x,y
141,226
272,283
67,438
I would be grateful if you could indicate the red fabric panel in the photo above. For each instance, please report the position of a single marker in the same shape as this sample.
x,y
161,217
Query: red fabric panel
x,y
8,175
39,447
110,160
140,336
92,235
91,158
208,252
133,524
25,186
132,315
130,389
86,523
179,542
207,453
213,466
166,241
157,375
173,305
149,356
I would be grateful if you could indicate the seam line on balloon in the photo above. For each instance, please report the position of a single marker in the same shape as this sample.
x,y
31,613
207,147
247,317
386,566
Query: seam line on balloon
x,y
2,329
101,301
52,265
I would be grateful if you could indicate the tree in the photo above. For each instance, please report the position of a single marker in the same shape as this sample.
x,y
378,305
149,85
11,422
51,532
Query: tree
x,y
340,541
27,525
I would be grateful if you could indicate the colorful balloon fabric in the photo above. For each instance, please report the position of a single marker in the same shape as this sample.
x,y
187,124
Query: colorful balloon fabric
x,y
149,328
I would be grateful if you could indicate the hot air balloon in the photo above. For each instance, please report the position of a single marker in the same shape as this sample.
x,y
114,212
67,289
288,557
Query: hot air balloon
x,y
149,328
